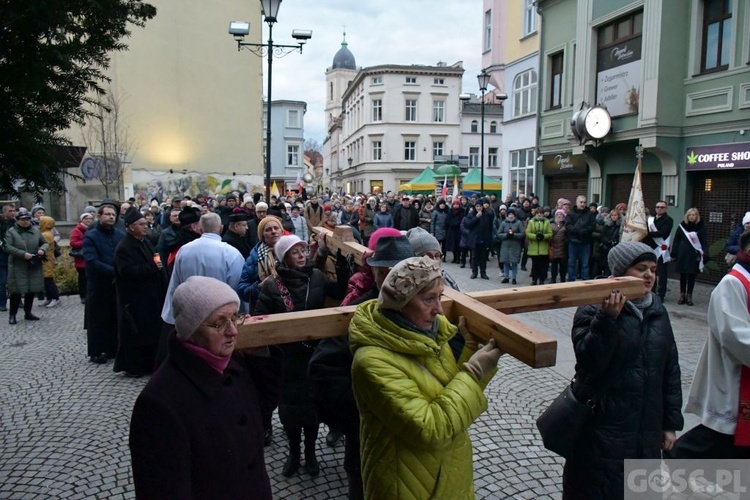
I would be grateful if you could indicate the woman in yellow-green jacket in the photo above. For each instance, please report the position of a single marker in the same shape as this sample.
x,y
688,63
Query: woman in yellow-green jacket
x,y
416,402
539,234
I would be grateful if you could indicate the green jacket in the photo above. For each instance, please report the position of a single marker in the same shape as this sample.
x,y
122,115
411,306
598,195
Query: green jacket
x,y
22,278
415,406
538,247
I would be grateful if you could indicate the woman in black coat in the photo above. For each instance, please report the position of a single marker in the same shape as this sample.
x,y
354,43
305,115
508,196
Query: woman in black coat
x,y
453,231
627,348
690,260
298,286
609,236
196,430
479,224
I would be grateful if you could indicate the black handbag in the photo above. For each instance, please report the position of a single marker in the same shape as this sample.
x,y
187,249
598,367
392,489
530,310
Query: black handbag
x,y
561,424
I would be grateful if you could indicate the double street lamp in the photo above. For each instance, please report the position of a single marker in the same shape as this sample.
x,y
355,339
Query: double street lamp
x,y
483,79
239,30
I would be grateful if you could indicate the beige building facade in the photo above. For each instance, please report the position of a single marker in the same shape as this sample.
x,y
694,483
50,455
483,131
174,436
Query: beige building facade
x,y
190,105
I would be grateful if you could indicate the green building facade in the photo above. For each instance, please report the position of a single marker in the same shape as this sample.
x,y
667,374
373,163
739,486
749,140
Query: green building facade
x,y
675,78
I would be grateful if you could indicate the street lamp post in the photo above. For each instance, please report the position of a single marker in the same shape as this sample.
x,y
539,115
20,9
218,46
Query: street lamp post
x,y
240,29
484,80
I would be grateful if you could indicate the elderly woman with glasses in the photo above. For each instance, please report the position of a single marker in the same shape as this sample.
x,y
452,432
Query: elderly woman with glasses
x,y
196,429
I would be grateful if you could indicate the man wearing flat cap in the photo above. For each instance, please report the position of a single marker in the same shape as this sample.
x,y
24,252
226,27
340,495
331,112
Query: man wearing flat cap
x,y
235,235
99,243
141,283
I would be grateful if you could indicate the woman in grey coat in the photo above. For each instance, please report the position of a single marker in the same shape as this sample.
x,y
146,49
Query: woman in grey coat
x,y
25,247
512,235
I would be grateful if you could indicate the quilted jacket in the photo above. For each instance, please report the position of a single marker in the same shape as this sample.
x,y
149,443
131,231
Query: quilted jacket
x,y
415,407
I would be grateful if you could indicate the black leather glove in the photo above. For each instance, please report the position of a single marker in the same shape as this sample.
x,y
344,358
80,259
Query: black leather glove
x,y
539,236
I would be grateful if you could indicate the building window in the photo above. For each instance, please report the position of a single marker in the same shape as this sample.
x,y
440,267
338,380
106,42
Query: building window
x,y
377,150
492,157
529,17
555,80
330,91
411,110
474,157
438,81
437,149
377,110
524,93
377,80
411,79
474,126
438,111
522,171
410,150
487,43
292,156
493,127
292,118
717,35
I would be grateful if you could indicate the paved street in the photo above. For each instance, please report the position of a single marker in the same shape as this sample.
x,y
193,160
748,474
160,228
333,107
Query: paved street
x,y
65,421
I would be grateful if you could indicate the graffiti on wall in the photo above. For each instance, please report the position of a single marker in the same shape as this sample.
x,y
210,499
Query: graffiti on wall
x,y
149,185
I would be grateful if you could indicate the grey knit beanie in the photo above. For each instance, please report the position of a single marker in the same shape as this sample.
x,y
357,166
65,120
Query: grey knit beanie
x,y
627,254
422,242
196,299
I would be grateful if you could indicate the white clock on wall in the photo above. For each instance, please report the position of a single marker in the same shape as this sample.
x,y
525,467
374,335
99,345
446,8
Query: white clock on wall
x,y
591,123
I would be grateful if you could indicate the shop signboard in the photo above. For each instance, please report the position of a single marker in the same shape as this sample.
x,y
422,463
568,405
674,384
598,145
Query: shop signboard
x,y
618,83
564,163
721,157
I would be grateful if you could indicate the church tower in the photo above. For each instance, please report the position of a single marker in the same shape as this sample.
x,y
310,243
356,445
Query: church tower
x,y
342,71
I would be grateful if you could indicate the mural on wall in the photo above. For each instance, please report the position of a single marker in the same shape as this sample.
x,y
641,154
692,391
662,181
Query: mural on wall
x,y
149,185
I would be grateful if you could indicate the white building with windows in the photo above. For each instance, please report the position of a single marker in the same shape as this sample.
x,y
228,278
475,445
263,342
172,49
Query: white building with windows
x,y
471,135
395,121
287,142
510,53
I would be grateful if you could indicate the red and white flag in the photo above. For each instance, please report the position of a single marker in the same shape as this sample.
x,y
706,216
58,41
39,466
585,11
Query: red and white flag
x,y
635,226
444,192
299,182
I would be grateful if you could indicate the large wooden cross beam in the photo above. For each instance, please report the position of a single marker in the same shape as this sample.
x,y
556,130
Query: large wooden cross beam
x,y
486,313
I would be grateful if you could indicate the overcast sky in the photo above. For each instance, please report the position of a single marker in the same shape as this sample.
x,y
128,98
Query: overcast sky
x,y
378,32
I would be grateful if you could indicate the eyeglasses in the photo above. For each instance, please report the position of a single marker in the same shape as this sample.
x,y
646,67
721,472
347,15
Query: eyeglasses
x,y
223,326
661,206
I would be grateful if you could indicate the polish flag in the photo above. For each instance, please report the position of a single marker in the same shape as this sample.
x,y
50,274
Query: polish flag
x,y
299,183
444,192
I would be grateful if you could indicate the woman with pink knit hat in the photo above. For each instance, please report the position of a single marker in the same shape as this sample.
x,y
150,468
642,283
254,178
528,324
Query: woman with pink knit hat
x,y
196,429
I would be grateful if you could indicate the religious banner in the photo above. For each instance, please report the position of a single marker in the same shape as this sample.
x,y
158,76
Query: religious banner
x,y
635,226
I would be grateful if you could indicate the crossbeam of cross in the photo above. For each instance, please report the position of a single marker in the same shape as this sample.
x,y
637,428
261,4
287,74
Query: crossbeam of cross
x,y
487,313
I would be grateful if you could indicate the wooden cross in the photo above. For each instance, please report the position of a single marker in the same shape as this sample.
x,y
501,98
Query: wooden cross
x,y
486,313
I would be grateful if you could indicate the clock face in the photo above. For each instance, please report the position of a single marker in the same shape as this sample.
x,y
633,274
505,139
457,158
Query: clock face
x,y
598,122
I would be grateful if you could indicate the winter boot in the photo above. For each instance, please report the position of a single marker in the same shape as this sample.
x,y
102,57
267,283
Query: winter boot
x,y
292,461
681,300
689,299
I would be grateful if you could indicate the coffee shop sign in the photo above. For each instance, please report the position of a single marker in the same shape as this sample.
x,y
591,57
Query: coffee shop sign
x,y
727,156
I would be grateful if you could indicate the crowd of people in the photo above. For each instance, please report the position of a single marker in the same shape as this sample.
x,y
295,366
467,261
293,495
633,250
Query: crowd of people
x,y
165,287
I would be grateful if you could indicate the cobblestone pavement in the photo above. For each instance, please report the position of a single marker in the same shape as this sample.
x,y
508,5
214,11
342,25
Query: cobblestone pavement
x,y
65,421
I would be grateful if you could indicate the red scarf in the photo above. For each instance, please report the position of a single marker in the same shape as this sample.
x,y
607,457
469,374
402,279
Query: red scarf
x,y
742,432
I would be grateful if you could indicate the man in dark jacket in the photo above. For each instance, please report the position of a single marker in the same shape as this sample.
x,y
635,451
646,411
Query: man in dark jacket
x,y
141,284
190,230
168,236
99,245
580,223
659,230
479,224
236,234
261,210
406,216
